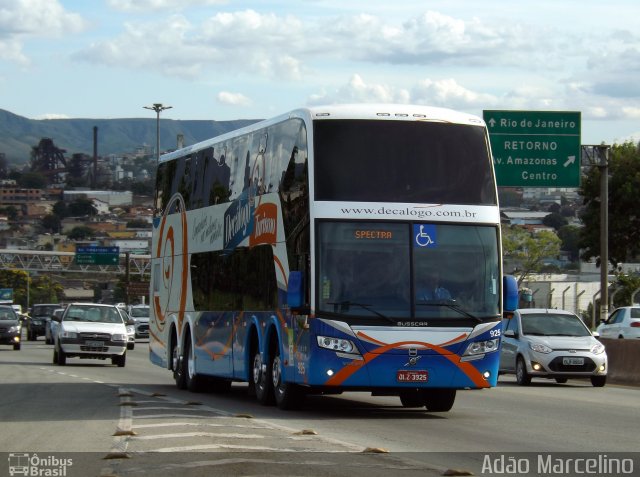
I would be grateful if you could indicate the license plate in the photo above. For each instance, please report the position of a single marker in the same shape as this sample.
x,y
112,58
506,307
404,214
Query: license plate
x,y
573,361
406,376
94,344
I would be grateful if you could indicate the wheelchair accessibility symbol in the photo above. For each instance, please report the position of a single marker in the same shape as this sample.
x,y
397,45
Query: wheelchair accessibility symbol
x,y
425,235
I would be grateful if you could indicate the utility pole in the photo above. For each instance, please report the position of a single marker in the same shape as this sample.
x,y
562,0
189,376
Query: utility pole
x,y
603,165
158,108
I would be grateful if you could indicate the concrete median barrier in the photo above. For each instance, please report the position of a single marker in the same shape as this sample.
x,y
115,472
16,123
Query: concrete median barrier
x,y
624,361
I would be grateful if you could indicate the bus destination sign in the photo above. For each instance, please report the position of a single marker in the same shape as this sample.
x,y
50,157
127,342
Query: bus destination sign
x,y
535,148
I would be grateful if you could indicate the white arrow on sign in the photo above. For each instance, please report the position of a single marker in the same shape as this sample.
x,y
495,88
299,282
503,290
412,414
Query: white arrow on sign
x,y
570,160
492,122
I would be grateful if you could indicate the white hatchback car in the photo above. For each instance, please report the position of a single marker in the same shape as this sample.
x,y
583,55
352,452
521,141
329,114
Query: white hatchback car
x,y
556,344
624,322
91,330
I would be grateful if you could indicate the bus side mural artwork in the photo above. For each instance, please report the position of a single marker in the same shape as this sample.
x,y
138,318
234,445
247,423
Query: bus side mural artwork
x,y
330,249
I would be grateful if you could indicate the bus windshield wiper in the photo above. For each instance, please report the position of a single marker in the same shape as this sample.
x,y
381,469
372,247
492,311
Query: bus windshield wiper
x,y
345,304
451,304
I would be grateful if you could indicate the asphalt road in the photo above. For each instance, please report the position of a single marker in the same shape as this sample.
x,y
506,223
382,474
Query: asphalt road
x,y
133,421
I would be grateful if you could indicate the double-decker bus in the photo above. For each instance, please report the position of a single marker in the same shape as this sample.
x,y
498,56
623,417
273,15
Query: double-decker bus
x,y
300,255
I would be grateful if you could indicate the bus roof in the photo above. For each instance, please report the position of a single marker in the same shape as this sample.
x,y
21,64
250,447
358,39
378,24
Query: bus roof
x,y
388,112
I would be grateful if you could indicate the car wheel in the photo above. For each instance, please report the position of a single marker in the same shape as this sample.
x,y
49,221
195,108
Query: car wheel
x,y
287,395
55,356
598,381
561,380
439,400
522,376
119,359
16,347
130,346
62,357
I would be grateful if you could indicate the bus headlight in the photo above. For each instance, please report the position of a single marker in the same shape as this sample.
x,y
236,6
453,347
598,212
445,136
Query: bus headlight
x,y
337,344
481,347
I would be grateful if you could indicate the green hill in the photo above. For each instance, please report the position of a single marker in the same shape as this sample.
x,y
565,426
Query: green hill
x,y
18,135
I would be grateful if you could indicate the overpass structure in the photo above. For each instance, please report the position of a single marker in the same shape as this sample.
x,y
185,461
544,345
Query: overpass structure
x,y
57,262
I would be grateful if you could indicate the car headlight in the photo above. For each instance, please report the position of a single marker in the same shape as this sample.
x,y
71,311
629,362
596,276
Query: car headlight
x,y
481,347
540,348
14,329
597,348
68,334
119,337
337,344
131,329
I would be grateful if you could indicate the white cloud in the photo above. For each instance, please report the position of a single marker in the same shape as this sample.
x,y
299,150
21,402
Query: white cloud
x,y
147,5
24,19
233,99
37,18
357,91
52,116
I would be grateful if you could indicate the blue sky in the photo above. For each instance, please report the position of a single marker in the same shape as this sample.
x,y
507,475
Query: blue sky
x,y
221,60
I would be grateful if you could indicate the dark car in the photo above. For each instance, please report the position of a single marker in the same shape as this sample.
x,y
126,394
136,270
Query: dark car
x,y
37,322
10,327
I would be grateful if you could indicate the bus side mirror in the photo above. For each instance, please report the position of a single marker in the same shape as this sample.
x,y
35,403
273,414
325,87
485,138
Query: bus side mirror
x,y
509,293
295,291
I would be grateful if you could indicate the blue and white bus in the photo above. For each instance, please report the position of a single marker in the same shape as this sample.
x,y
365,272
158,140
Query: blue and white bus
x,y
297,255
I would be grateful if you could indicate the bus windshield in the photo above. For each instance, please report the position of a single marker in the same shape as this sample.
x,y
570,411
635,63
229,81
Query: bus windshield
x,y
388,271
402,161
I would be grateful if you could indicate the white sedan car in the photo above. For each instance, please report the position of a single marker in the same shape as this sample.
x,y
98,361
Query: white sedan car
x,y
549,343
624,322
91,330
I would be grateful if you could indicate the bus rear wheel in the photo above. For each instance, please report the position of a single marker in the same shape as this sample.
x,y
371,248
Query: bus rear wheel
x,y
261,381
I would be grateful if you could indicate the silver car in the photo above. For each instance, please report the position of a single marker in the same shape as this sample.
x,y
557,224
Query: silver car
x,y
624,322
548,343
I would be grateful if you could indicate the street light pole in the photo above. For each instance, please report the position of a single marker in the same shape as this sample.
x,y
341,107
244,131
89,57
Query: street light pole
x,y
158,108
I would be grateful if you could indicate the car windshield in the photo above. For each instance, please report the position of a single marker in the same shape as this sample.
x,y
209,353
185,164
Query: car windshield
x,y
8,314
94,314
550,324
44,310
141,312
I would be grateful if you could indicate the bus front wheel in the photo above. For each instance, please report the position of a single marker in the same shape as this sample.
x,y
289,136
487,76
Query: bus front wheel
x,y
287,395
439,400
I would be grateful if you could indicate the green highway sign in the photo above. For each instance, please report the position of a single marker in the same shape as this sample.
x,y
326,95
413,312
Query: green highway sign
x,y
97,255
535,148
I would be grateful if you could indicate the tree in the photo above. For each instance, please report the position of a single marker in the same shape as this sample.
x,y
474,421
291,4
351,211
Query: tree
x,y
82,207
570,238
81,233
627,285
528,250
624,220
51,223
554,220
11,212
60,209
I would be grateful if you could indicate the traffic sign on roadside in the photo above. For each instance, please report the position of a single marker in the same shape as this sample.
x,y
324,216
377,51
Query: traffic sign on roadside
x,y
93,255
535,148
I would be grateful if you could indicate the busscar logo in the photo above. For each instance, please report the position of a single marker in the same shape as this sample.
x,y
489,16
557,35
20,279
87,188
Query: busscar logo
x,y
22,463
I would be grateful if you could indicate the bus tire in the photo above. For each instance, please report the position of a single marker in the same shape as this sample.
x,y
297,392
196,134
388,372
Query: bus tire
x,y
178,366
262,381
287,395
193,382
439,400
411,398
